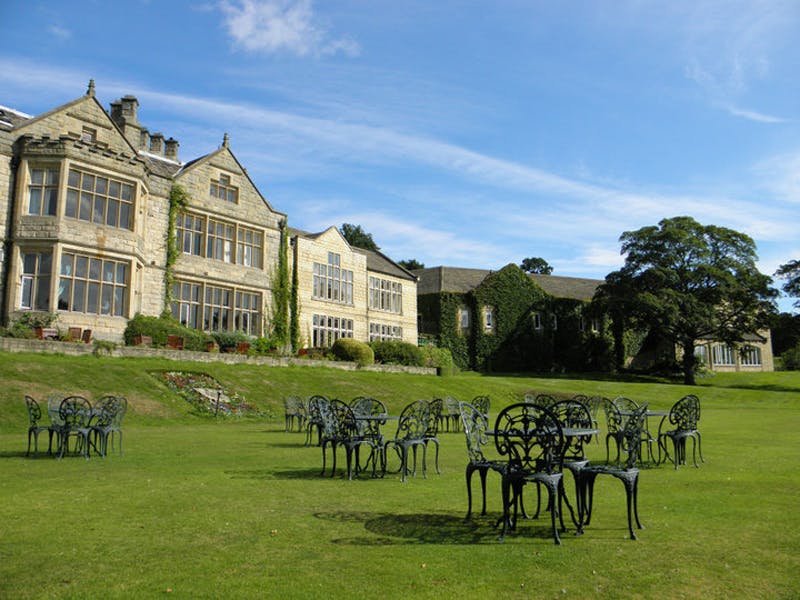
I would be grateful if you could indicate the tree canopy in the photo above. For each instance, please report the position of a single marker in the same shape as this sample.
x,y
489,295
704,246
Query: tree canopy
x,y
791,273
686,281
536,265
411,264
357,237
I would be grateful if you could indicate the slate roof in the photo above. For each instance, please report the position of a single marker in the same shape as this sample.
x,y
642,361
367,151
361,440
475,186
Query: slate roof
x,y
11,118
460,280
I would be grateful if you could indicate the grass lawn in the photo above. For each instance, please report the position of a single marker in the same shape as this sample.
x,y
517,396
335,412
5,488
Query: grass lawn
x,y
236,507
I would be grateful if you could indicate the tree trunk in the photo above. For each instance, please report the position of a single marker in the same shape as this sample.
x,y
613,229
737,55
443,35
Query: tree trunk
x,y
688,362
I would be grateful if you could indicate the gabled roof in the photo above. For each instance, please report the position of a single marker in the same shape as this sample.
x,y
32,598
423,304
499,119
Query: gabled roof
x,y
576,288
435,280
12,118
377,262
459,280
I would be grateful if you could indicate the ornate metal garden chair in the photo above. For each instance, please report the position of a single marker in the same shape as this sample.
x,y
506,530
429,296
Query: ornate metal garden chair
x,y
482,403
76,414
475,427
530,437
35,427
340,430
436,407
411,428
627,473
108,422
683,416
573,415
294,413
314,420
451,416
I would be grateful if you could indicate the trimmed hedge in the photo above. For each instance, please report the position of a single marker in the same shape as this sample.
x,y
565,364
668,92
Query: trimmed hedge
x,y
348,349
158,328
398,353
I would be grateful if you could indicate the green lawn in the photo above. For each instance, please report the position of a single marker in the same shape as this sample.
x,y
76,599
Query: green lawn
x,y
236,508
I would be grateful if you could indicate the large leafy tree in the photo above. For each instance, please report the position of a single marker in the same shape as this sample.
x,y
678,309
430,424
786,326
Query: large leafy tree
x,y
686,281
357,237
536,265
411,264
791,273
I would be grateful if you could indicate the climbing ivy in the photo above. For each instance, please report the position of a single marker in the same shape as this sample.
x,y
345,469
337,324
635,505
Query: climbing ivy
x,y
178,201
280,291
294,316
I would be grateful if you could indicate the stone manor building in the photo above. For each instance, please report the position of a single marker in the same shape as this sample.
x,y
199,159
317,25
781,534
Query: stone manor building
x,y
85,223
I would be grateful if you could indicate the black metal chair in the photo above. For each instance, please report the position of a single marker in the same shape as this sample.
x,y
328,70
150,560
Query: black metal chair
x,y
314,419
340,430
294,413
76,413
627,473
110,411
683,416
409,437
482,403
436,407
573,415
475,426
35,427
368,413
451,416
626,408
530,437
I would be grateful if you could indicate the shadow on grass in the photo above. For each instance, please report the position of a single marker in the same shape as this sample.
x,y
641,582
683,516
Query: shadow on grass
x,y
266,474
430,528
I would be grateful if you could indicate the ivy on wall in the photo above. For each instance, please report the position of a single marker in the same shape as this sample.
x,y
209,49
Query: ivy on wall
x,y
178,201
280,291
294,300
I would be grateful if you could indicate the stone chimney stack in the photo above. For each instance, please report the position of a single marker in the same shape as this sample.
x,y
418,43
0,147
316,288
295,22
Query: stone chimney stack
x,y
171,149
157,144
144,140
124,114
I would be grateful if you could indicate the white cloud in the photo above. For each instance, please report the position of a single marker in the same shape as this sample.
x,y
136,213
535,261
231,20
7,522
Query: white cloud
x,y
61,33
780,176
273,26
752,115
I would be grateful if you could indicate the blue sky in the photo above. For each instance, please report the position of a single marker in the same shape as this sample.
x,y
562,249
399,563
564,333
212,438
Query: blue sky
x,y
468,134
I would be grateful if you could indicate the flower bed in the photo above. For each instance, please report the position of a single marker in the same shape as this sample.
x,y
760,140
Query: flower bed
x,y
206,394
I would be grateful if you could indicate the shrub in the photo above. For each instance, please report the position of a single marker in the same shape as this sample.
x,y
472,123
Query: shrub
x,y
158,328
25,324
265,345
398,353
227,340
437,357
352,350
790,360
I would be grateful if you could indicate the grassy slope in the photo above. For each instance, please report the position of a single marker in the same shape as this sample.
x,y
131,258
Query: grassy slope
x,y
237,508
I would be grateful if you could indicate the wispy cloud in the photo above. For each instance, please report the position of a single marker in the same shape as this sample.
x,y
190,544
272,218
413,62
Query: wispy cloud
x,y
273,26
59,32
752,115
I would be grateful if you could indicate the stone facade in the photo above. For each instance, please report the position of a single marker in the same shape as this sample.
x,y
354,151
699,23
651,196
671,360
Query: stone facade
x,y
84,220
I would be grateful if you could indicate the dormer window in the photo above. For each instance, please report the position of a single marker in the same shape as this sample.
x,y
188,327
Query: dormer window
x,y
223,189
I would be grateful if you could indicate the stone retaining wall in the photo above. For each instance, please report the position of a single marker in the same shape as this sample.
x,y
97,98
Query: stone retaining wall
x,y
79,349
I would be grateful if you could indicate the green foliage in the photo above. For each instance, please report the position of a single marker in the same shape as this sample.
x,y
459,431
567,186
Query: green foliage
x,y
687,281
790,359
227,340
280,292
265,345
294,309
785,332
791,273
178,201
159,328
441,310
392,352
357,237
411,264
26,322
351,350
536,265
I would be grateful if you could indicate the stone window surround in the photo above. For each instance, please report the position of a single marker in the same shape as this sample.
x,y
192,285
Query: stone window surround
x,y
198,240
194,305
326,329
385,295
332,283
222,189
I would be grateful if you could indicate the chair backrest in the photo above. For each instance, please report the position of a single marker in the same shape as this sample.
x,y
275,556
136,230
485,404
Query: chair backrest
x,y
366,407
594,403
573,414
436,407
451,406
75,411
685,413
315,405
34,411
108,407
541,399
294,406
482,403
475,427
54,408
530,436
614,420
414,421
625,404
631,439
